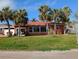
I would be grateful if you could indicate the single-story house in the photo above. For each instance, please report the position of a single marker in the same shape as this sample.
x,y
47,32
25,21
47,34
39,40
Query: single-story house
x,y
39,28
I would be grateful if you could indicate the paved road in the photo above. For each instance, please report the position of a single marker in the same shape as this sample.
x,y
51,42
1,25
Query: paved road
x,y
72,54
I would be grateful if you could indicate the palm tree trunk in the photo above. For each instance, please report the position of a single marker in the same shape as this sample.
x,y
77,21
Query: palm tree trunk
x,y
55,28
19,30
9,33
64,28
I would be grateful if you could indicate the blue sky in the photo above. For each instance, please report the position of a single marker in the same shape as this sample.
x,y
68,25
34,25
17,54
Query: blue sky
x,y
32,5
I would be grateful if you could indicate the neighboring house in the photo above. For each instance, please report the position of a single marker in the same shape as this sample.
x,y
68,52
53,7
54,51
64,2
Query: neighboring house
x,y
72,27
4,29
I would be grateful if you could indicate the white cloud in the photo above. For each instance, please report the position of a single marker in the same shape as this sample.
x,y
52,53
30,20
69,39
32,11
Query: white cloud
x,y
51,2
4,3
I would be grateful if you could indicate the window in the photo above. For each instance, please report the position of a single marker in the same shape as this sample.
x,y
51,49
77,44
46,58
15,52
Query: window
x,y
30,29
7,28
36,28
11,28
0,29
43,29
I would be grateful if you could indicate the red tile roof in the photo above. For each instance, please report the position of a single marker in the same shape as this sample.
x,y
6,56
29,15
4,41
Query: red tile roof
x,y
37,23
34,24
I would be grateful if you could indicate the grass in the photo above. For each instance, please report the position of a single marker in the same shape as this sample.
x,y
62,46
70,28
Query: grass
x,y
41,43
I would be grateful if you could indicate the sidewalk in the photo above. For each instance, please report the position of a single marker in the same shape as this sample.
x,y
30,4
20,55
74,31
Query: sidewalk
x,y
71,54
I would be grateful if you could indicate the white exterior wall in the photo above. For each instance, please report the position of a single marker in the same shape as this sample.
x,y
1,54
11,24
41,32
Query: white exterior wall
x,y
74,28
6,30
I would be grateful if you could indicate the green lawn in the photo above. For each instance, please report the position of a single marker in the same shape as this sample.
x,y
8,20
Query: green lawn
x,y
43,43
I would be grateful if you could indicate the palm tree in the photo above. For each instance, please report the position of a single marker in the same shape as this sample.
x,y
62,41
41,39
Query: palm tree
x,y
60,15
20,17
66,13
44,10
54,13
5,15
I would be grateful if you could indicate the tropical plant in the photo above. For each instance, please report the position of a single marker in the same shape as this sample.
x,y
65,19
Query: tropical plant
x,y
5,15
54,14
44,10
66,13
20,17
60,15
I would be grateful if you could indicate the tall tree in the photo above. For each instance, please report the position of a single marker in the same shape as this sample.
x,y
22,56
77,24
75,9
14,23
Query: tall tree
x,y
66,13
54,14
5,15
60,15
20,17
44,10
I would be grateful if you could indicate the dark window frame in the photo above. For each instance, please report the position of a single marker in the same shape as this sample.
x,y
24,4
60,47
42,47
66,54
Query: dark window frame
x,y
30,29
43,28
36,28
1,29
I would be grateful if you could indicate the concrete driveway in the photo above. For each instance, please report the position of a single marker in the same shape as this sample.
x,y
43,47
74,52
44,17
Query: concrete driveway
x,y
71,54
